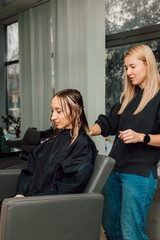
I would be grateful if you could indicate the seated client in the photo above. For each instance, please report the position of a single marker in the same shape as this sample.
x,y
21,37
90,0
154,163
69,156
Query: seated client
x,y
64,163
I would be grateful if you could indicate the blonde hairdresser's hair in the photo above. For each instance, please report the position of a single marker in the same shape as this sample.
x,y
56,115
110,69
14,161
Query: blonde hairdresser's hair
x,y
72,99
145,54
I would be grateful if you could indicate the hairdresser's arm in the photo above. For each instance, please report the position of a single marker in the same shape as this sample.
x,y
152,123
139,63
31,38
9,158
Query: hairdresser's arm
x,y
95,130
107,124
155,140
130,136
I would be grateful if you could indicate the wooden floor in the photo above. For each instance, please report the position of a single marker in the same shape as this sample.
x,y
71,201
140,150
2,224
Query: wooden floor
x,y
103,237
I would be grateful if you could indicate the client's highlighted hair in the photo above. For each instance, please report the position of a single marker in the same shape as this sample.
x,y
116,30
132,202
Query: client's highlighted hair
x,y
73,99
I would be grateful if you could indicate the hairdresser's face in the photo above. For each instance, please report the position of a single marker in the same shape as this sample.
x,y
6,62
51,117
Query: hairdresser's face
x,y
136,71
58,116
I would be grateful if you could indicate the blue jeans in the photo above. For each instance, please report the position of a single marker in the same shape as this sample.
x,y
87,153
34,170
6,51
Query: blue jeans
x,y
127,198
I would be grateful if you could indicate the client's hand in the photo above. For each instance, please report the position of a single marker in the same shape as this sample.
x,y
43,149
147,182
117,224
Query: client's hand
x,y
19,195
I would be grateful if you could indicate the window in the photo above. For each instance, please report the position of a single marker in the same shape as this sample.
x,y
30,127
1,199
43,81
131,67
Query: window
x,y
115,70
128,23
52,61
126,15
12,70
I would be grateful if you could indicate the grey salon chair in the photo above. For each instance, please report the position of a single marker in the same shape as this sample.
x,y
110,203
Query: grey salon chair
x,y
153,216
56,217
153,221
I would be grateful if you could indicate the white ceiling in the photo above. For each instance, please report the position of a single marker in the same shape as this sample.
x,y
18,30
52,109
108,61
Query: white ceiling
x,y
8,8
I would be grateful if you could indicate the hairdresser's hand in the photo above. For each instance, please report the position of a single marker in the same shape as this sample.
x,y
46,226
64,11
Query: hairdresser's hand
x,y
19,195
130,136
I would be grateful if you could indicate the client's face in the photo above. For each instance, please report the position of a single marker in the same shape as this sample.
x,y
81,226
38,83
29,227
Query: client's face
x,y
58,116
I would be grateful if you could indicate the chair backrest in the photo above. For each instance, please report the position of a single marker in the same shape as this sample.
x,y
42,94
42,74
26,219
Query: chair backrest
x,y
102,168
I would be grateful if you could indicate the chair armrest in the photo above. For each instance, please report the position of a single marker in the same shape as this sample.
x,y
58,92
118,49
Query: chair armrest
x,y
13,143
58,217
8,182
102,169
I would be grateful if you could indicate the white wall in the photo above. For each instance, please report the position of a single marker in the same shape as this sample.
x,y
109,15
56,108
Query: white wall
x,y
80,54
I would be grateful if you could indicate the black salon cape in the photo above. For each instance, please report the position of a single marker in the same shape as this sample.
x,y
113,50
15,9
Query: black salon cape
x,y
54,167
